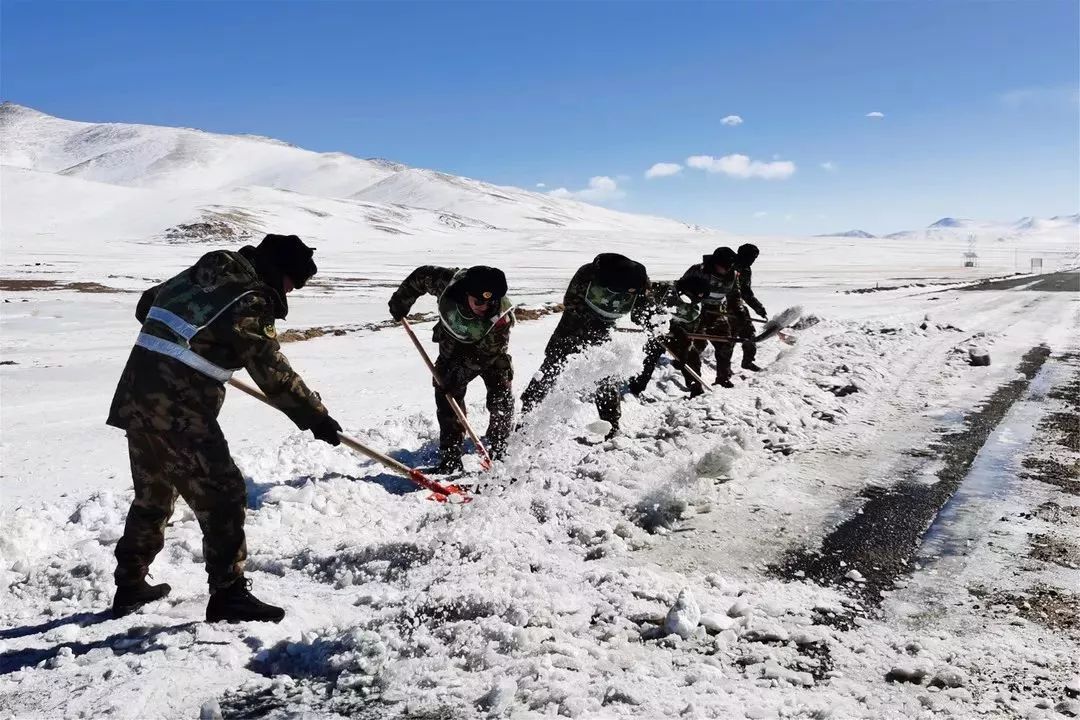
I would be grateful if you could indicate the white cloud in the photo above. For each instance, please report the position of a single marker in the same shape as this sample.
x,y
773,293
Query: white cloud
x,y
1050,95
601,188
828,165
663,170
541,185
741,166
760,214
731,120
875,115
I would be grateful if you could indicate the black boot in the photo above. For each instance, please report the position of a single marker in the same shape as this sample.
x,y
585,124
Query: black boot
x,y
449,463
235,603
130,598
696,391
751,366
636,386
724,382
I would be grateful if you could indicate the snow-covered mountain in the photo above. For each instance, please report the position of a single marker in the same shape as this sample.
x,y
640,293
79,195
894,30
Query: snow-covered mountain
x,y
178,161
1026,229
950,222
1058,222
849,234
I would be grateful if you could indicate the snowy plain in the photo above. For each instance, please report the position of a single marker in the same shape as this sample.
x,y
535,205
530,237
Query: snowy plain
x,y
625,580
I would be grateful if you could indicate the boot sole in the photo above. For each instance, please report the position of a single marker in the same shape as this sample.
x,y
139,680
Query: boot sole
x,y
233,621
120,611
124,610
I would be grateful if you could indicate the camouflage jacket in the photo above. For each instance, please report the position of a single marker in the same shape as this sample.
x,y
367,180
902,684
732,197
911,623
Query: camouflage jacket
x,y
160,393
580,325
747,292
663,301
723,299
434,280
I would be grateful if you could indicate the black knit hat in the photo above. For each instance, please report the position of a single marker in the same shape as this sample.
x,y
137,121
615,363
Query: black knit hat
x,y
619,273
483,283
723,256
748,254
290,256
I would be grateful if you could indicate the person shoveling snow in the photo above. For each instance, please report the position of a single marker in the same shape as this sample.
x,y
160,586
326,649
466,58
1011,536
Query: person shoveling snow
x,y
197,328
473,333
599,294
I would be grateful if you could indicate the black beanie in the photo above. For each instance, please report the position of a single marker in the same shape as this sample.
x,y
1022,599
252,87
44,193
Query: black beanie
x,y
723,256
290,256
619,273
748,254
482,282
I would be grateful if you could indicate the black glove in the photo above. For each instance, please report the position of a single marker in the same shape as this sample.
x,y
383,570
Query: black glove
x,y
327,429
398,309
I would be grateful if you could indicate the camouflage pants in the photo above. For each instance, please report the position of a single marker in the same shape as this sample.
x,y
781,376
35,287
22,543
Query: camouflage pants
x,y
559,349
456,374
721,326
744,328
679,345
199,469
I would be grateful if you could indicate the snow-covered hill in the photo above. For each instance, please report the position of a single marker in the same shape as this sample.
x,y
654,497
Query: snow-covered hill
x,y
180,160
119,191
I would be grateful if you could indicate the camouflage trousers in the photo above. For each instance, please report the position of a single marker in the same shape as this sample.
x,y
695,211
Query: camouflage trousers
x,y
456,372
558,350
721,326
744,328
199,469
678,345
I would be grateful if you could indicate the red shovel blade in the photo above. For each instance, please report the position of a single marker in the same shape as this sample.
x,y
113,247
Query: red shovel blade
x,y
455,496
439,493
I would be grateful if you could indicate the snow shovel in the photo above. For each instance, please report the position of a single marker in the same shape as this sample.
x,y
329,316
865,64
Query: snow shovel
x,y
783,336
689,372
439,492
718,338
485,459
778,324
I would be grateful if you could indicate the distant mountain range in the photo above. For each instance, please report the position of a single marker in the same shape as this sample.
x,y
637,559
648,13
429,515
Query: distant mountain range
x,y
958,227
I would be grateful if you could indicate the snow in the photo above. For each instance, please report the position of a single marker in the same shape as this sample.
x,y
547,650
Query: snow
x,y
683,617
627,579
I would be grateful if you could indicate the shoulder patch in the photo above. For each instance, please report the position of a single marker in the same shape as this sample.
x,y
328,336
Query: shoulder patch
x,y
269,331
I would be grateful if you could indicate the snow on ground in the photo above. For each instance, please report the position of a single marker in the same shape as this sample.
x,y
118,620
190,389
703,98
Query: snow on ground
x,y
547,597
624,580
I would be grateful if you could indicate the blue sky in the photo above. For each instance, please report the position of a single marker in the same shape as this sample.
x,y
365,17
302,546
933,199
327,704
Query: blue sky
x,y
979,99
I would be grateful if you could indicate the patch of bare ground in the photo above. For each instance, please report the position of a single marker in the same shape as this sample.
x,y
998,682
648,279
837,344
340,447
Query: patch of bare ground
x,y
1054,549
29,284
1041,604
1050,511
1064,475
1056,462
524,314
